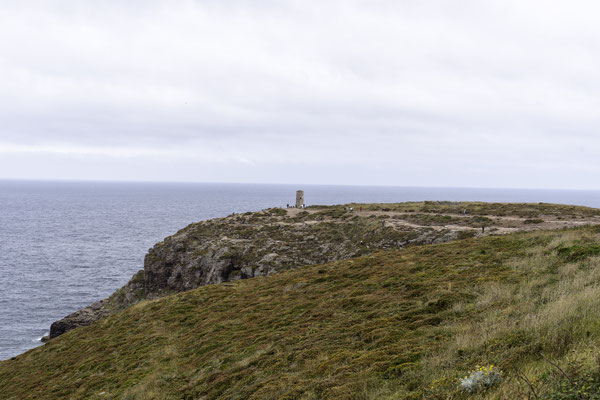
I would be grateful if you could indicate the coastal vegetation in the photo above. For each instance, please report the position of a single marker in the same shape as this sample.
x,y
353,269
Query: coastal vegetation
x,y
511,316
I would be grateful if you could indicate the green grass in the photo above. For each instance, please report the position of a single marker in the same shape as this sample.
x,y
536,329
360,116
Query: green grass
x,y
399,324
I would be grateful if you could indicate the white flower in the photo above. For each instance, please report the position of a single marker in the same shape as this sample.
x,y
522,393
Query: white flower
x,y
481,379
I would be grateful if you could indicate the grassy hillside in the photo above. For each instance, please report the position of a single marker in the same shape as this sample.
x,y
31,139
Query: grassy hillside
x,y
399,324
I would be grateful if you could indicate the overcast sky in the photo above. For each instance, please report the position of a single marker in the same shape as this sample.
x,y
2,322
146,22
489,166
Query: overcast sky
x,y
406,93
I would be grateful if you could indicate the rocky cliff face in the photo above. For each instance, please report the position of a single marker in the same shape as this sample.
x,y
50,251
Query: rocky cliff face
x,y
255,244
260,244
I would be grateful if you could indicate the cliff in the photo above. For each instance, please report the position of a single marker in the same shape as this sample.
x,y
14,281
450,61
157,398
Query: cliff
x,y
262,243
397,324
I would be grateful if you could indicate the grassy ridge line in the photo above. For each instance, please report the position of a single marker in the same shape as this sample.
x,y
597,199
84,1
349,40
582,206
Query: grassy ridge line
x,y
479,208
397,324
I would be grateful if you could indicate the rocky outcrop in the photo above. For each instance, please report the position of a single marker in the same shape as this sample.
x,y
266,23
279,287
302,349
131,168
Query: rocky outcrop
x,y
210,252
249,245
83,317
129,294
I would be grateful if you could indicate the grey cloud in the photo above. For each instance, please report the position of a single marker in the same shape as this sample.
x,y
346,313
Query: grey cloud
x,y
426,88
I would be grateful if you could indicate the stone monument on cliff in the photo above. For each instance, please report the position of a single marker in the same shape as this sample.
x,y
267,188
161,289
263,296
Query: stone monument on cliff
x,y
300,199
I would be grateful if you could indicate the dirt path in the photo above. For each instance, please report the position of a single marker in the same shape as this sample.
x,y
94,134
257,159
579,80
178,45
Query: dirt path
x,y
497,225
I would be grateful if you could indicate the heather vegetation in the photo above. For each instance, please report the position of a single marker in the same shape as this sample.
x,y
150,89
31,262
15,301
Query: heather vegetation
x,y
530,210
512,316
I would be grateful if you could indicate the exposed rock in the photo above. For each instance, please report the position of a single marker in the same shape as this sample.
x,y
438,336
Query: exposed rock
x,y
83,317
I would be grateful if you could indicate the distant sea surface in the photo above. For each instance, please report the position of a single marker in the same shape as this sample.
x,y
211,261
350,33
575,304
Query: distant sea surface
x,y
64,245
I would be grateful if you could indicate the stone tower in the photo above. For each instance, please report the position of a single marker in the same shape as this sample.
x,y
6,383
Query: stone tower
x,y
299,198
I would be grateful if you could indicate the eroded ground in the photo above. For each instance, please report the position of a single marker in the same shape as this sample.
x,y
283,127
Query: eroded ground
x,y
467,217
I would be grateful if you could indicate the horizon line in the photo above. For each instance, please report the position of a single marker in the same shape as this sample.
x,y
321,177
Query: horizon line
x,y
67,180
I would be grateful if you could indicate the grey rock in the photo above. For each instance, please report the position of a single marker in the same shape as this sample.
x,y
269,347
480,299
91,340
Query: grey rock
x,y
83,317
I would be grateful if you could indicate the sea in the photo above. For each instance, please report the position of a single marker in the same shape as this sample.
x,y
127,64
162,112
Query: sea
x,y
64,245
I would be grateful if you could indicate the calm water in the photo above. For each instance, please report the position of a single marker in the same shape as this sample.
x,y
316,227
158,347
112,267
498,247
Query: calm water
x,y
66,245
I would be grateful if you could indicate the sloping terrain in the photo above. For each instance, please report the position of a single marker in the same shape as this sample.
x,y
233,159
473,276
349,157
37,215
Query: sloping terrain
x,y
262,243
396,324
